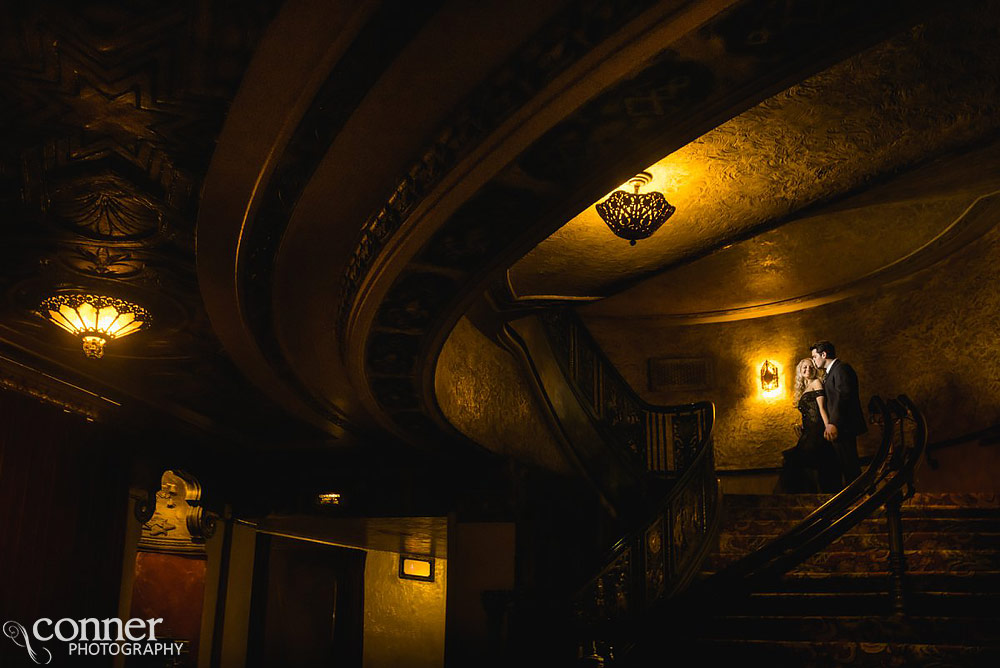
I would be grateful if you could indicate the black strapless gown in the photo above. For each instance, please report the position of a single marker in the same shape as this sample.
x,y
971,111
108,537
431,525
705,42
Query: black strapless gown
x,y
808,466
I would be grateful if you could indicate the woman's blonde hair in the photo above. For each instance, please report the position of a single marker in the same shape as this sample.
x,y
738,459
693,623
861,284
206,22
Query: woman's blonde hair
x,y
800,380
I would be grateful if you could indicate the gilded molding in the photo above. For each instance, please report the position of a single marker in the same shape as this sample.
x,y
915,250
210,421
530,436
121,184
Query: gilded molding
x,y
385,34
51,390
109,133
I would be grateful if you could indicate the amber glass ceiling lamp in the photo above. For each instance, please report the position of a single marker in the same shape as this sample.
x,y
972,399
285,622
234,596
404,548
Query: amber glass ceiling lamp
x,y
635,215
95,319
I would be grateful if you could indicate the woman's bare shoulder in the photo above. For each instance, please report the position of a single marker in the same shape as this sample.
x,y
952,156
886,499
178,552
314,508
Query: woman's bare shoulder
x,y
815,384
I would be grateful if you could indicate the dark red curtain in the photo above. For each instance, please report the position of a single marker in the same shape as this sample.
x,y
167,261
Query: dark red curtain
x,y
63,500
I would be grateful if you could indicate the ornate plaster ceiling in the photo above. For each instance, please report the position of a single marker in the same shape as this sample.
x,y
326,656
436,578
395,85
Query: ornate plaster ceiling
x,y
109,119
491,163
929,92
114,111
860,243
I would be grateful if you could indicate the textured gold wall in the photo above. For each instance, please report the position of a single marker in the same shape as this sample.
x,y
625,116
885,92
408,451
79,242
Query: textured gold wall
x,y
872,115
484,394
404,619
932,335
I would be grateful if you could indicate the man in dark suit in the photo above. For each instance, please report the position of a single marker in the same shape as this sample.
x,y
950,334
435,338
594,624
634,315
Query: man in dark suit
x,y
843,408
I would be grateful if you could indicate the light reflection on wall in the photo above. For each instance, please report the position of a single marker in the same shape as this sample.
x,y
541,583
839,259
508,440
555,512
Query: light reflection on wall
x,y
922,335
404,619
752,429
484,394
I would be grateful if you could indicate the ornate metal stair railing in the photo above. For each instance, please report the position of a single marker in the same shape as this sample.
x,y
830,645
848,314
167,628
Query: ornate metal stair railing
x,y
660,439
672,444
616,439
657,561
888,481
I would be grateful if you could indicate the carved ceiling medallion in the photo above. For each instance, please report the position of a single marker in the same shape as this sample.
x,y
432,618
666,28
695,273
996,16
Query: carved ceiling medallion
x,y
103,262
106,209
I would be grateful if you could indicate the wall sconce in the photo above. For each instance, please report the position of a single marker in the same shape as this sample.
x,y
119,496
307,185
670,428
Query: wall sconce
x,y
635,216
416,568
94,318
768,376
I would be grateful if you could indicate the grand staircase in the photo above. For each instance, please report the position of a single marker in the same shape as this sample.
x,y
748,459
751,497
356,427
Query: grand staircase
x,y
834,609
873,576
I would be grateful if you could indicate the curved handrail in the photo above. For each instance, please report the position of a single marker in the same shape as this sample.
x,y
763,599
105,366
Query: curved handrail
x,y
899,475
819,518
659,559
889,473
661,439
663,555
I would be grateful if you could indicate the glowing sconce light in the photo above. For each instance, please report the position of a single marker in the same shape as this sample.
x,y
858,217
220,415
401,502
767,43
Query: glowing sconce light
x,y
94,318
416,568
769,377
635,216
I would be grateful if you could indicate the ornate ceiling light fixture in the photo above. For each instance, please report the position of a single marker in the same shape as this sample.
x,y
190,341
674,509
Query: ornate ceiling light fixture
x,y
94,318
635,216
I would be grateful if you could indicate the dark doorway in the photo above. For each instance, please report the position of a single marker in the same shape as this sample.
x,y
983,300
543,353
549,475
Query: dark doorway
x,y
308,604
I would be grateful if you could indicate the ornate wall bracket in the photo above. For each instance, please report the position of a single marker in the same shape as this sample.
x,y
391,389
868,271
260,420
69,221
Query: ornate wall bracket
x,y
173,520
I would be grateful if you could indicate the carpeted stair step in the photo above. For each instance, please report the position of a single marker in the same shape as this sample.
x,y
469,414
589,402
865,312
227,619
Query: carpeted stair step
x,y
740,544
986,582
846,653
917,561
860,603
956,499
876,559
834,609
809,501
962,500
737,518
937,630
911,523
968,605
785,604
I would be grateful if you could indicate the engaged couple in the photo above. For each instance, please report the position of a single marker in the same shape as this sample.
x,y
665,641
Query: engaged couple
x,y
825,458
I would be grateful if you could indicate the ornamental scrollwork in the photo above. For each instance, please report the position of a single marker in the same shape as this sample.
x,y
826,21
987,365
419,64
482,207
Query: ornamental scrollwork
x,y
175,521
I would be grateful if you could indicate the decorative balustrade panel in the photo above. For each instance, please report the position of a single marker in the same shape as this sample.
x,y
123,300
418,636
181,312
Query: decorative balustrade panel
x,y
886,482
658,559
655,559
663,439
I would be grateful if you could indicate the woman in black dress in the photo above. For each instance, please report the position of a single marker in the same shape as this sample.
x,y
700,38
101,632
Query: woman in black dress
x,y
812,453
